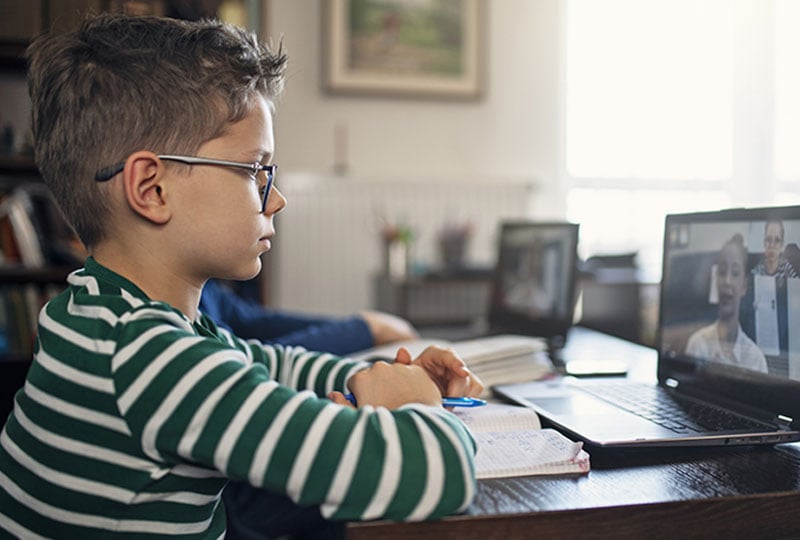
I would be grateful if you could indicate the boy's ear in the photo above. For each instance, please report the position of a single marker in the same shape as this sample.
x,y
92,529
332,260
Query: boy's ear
x,y
144,186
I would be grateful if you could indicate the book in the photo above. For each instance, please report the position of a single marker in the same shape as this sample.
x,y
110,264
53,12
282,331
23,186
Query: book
x,y
501,359
17,207
512,442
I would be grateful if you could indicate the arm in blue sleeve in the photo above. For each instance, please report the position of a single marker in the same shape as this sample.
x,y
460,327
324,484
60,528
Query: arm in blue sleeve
x,y
250,320
340,337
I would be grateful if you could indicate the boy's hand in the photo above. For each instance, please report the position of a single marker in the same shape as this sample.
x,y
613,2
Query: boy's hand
x,y
390,386
446,369
339,399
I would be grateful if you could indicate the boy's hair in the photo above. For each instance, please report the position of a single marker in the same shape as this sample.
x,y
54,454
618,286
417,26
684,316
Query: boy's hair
x,y
120,84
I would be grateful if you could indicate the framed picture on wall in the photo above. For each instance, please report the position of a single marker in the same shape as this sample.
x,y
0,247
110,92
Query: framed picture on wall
x,y
420,48
245,13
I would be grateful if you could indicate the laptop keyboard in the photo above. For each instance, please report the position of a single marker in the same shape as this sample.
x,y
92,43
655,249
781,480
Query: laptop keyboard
x,y
681,415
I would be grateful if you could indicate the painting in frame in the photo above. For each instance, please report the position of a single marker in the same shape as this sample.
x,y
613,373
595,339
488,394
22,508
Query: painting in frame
x,y
404,48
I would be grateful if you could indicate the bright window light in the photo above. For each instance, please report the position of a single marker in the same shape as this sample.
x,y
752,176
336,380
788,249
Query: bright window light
x,y
619,220
674,106
649,89
787,90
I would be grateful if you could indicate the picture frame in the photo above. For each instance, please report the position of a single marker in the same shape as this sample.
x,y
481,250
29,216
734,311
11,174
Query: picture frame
x,y
245,13
423,49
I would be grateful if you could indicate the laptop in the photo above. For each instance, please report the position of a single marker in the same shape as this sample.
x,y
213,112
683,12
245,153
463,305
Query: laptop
x,y
710,390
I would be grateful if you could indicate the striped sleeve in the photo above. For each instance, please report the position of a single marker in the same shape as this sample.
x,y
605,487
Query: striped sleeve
x,y
257,414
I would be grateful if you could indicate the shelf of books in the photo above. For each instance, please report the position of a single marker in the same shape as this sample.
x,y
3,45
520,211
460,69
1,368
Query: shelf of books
x,y
37,252
19,164
20,304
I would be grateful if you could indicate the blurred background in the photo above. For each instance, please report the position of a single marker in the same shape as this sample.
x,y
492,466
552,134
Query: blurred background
x,y
407,125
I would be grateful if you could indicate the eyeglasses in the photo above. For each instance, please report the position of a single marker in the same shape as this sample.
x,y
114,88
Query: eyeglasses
x,y
108,173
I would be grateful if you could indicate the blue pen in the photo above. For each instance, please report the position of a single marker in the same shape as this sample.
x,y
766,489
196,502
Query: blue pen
x,y
446,401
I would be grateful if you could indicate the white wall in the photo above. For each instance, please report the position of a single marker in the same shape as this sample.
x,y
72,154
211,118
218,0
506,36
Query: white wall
x,y
512,133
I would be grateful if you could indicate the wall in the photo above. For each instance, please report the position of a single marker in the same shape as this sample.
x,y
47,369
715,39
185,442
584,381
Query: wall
x,y
328,248
512,133
510,136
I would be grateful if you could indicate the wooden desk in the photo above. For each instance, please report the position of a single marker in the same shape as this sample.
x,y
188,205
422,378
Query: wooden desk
x,y
721,493
730,493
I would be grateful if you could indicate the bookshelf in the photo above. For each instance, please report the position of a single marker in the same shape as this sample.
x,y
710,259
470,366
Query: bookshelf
x,y
16,170
21,274
36,259
18,165
12,55
25,287
23,291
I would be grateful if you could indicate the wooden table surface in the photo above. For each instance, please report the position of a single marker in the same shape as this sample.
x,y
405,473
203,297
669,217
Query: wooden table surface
x,y
743,492
738,492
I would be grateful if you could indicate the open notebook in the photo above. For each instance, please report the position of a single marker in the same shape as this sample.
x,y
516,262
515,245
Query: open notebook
x,y
511,442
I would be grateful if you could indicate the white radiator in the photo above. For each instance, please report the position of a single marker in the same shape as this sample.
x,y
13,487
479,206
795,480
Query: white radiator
x,y
328,250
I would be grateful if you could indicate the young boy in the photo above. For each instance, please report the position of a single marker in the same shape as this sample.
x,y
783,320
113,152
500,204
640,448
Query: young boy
x,y
152,135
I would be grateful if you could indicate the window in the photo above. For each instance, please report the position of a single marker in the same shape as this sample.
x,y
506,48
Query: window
x,y
677,105
787,93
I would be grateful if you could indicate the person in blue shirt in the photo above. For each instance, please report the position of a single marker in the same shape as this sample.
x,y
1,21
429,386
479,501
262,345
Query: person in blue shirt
x,y
346,335
245,504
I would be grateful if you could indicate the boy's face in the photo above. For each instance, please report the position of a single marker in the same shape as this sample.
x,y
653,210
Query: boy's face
x,y
220,215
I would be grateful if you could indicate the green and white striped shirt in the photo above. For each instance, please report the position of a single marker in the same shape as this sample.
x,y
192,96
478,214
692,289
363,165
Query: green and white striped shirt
x,y
133,418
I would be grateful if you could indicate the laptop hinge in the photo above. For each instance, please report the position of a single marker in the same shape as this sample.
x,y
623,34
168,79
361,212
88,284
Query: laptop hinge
x,y
783,421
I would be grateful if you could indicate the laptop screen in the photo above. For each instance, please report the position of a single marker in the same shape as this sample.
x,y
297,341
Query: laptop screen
x,y
533,291
730,305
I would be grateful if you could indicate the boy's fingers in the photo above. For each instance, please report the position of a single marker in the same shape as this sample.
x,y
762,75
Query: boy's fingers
x,y
403,356
339,399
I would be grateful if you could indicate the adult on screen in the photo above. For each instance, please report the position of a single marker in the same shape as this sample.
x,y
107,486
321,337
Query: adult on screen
x,y
774,262
724,340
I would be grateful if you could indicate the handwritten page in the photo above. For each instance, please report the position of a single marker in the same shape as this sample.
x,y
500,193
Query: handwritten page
x,y
511,443
499,417
524,453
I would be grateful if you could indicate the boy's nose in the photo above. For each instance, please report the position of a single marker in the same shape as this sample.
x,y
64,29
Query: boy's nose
x,y
276,201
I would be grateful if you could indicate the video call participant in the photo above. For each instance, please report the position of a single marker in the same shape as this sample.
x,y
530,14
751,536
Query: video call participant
x,y
774,261
724,340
